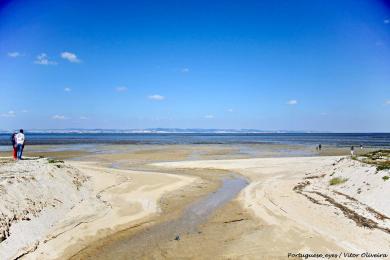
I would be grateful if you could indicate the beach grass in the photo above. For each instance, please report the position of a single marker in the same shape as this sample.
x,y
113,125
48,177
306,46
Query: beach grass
x,y
379,158
55,161
337,181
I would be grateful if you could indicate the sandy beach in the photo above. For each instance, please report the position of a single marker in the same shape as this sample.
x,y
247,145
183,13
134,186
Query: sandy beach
x,y
140,204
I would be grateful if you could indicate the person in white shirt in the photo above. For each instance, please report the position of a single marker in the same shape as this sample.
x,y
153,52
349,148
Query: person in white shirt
x,y
20,140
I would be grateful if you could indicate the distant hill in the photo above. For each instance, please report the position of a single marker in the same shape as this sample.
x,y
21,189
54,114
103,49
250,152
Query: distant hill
x,y
155,130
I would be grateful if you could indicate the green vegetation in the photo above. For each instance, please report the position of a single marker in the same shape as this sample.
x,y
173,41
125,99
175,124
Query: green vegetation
x,y
383,166
385,178
337,180
379,158
54,161
378,154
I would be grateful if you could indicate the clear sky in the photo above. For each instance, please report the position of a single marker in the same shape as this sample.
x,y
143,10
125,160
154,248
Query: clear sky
x,y
295,65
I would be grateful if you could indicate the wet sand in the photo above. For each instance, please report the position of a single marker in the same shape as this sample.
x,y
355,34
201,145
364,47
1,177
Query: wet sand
x,y
144,154
186,224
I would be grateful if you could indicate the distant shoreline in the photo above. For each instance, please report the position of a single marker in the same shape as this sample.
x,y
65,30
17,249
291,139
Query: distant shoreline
x,y
165,131
182,131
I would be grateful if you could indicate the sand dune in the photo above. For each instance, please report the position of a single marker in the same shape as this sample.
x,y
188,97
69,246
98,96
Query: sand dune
x,y
78,203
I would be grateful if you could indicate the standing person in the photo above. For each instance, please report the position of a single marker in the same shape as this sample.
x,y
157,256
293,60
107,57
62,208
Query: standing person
x,y
361,147
352,150
319,147
14,145
20,140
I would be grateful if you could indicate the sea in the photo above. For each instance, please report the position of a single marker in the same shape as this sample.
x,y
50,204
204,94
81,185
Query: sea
x,y
375,140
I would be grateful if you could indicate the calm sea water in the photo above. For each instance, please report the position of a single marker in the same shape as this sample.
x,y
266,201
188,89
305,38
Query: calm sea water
x,y
336,139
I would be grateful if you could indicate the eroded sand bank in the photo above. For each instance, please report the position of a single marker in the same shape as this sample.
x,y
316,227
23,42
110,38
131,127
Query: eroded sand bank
x,y
104,202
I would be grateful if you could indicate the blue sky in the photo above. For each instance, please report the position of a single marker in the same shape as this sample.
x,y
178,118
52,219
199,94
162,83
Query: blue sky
x,y
293,65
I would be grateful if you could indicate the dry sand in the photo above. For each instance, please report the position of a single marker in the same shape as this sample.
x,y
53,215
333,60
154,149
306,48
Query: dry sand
x,y
34,196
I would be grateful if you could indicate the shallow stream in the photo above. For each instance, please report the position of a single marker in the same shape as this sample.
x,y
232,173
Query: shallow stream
x,y
194,214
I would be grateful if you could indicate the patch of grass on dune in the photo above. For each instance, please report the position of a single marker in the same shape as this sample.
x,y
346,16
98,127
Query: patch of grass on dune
x,y
383,166
54,161
377,155
337,181
379,158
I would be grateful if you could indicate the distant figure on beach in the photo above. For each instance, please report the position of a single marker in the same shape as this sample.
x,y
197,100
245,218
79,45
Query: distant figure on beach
x,y
20,141
319,147
14,148
361,147
352,150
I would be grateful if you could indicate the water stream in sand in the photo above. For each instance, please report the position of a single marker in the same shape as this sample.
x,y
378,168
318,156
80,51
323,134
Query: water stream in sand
x,y
195,214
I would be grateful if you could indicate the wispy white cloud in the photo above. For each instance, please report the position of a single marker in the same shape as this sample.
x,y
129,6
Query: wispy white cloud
x,y
14,54
387,102
156,97
43,59
230,110
324,114
209,116
184,70
83,118
121,89
292,102
71,57
67,89
10,113
386,21
59,117
24,111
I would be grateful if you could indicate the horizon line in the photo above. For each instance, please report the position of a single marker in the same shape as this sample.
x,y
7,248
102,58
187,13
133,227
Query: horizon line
x,y
161,130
